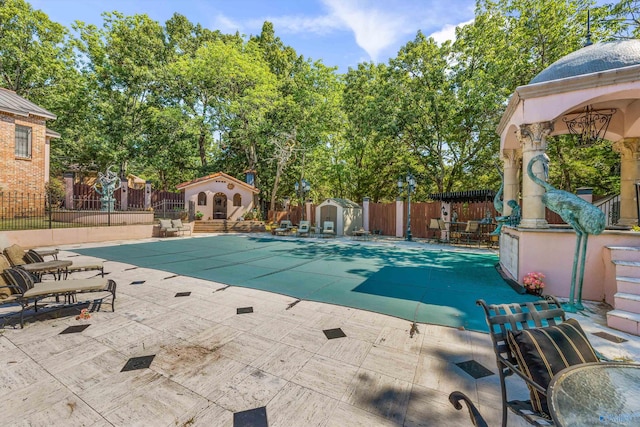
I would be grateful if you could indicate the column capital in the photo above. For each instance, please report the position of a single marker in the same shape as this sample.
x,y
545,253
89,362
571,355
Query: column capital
x,y
533,136
511,157
627,147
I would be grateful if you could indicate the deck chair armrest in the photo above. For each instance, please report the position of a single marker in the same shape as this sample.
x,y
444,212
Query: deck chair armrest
x,y
476,418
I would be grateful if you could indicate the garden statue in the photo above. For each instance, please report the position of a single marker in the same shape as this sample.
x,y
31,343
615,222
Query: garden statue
x,y
487,217
513,219
581,215
109,182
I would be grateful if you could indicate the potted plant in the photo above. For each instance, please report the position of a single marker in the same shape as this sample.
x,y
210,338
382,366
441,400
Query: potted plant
x,y
534,283
199,215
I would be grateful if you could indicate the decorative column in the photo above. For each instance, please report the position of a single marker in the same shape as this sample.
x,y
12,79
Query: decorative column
x,y
510,159
399,217
629,149
124,195
68,190
533,139
147,195
307,208
365,213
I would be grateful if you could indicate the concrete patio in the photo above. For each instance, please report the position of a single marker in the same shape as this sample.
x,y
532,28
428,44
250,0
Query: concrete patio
x,y
220,350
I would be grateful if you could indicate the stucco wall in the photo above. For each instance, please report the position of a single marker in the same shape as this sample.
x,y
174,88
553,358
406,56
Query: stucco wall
x,y
552,251
68,236
220,185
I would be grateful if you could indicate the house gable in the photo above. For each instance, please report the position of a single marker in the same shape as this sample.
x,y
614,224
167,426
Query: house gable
x,y
219,177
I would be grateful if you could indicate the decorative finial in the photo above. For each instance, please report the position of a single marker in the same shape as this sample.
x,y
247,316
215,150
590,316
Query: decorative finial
x,y
588,42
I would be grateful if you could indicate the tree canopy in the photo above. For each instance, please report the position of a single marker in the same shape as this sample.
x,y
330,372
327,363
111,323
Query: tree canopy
x,y
174,101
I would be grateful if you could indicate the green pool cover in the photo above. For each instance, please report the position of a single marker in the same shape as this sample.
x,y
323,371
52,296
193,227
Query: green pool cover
x,y
426,286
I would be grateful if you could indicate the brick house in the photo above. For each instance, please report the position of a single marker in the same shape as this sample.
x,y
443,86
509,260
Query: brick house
x,y
24,144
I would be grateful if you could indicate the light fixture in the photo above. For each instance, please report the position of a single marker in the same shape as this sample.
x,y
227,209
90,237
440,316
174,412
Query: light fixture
x,y
411,187
590,126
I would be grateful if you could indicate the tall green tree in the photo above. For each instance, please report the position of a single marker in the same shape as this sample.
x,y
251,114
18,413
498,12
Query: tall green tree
x,y
122,62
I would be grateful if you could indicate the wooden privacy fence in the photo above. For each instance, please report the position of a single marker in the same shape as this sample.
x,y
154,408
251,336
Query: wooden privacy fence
x,y
382,216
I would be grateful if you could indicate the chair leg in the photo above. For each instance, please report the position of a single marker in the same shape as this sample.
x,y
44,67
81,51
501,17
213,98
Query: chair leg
x,y
503,390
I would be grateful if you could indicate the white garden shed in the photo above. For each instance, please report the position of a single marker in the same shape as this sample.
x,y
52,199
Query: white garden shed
x,y
345,214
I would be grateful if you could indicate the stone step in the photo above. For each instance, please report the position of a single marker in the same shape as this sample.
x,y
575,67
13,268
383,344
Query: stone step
x,y
627,302
628,285
627,268
624,253
624,321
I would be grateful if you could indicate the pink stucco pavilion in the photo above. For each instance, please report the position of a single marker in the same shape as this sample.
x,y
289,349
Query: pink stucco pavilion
x,y
601,76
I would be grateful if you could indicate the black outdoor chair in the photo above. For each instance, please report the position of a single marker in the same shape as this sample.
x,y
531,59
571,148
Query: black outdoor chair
x,y
502,318
535,341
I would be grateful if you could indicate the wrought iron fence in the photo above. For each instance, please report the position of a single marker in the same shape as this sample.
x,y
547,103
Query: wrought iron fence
x,y
168,208
28,211
610,206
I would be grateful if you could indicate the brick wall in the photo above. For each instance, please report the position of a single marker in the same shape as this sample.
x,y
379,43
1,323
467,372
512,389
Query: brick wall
x,y
20,174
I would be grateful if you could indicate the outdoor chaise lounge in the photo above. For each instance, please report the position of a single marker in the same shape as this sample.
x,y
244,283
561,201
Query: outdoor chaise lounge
x,y
304,228
328,230
18,257
284,227
18,286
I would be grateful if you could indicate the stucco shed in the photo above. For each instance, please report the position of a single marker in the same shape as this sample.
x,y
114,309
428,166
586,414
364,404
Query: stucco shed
x,y
220,196
345,214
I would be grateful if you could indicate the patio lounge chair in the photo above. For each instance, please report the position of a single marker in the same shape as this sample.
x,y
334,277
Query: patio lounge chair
x,y
534,341
166,227
180,227
471,233
284,228
18,257
304,228
18,286
328,230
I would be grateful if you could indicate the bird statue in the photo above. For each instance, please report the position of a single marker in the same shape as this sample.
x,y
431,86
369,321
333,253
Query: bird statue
x,y
581,215
498,204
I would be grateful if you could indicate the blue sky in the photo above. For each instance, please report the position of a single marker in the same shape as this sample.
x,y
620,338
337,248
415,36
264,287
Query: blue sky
x,y
341,33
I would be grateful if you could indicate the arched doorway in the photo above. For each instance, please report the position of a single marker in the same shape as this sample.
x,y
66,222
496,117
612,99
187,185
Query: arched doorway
x,y
220,206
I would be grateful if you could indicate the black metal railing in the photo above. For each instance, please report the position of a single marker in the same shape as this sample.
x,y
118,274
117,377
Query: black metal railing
x,y
610,206
172,209
28,211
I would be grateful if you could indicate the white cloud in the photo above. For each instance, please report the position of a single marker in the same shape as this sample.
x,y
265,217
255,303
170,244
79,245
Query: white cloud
x,y
226,24
374,29
448,32
301,24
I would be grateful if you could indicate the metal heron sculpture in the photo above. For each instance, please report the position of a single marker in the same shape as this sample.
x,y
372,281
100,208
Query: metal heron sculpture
x,y
498,204
581,215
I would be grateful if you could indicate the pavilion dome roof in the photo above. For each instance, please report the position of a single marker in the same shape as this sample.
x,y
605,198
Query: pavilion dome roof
x,y
592,59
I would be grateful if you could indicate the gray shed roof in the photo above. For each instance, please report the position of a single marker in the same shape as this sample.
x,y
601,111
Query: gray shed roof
x,y
10,102
595,58
345,203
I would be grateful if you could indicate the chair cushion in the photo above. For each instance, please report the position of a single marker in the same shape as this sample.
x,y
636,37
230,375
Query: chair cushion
x,y
15,255
19,278
165,223
33,256
543,352
176,223
5,292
